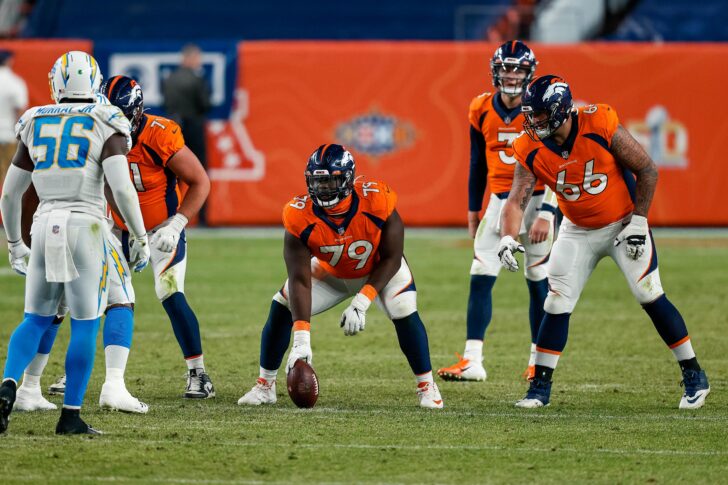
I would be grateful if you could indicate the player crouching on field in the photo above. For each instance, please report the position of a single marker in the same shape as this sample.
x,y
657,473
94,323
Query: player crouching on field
x,y
586,157
343,239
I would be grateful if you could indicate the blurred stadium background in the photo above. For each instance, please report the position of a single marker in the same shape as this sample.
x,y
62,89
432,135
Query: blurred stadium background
x,y
393,82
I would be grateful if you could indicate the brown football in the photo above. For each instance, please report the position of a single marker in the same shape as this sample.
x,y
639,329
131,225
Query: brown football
x,y
303,385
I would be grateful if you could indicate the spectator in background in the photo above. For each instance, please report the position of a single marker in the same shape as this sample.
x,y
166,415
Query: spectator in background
x,y
13,102
187,101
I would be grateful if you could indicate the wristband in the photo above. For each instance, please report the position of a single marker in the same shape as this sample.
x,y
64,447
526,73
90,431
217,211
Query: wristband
x,y
369,291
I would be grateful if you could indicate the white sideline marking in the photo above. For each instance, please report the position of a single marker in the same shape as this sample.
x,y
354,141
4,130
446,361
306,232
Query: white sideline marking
x,y
108,439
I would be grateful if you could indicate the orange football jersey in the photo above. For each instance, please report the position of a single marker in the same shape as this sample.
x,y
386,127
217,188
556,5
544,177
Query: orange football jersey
x,y
500,127
158,141
349,249
592,187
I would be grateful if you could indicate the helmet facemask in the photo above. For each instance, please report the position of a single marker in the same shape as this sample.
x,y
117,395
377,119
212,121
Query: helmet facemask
x,y
505,72
327,190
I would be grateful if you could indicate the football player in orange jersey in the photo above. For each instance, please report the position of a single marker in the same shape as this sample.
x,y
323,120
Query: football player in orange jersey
x,y
588,159
345,238
157,160
495,121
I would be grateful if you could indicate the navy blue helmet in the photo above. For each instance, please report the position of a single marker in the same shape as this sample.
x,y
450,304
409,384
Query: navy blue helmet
x,y
126,94
550,95
330,175
512,56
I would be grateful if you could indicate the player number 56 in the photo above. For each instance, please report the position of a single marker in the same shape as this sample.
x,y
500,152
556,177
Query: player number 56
x,y
594,183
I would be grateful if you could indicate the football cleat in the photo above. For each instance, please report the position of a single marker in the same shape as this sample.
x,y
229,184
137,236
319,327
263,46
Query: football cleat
x,y
30,398
263,392
529,373
71,423
58,387
696,389
429,395
7,399
116,397
538,395
464,370
199,385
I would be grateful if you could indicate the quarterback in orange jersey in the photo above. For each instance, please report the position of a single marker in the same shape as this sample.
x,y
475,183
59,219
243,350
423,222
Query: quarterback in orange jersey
x,y
495,121
157,160
589,159
345,238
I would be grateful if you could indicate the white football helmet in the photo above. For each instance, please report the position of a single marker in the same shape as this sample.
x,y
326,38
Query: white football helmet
x,y
75,75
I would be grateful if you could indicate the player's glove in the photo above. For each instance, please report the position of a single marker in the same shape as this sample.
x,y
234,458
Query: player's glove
x,y
634,237
138,252
18,256
301,349
506,252
167,236
353,320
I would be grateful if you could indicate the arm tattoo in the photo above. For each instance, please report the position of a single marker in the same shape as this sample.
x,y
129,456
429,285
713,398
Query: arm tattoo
x,y
523,183
630,154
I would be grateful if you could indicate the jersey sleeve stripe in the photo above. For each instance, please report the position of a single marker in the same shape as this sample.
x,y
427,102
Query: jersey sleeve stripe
x,y
376,220
599,139
306,233
156,158
530,159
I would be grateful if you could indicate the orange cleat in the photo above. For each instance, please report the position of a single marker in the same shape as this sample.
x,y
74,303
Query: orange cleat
x,y
464,370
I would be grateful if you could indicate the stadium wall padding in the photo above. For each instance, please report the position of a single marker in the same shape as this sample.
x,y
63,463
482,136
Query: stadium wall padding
x,y
401,108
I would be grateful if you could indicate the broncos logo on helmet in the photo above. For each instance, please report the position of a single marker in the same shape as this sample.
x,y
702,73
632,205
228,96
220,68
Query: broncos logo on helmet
x,y
512,56
127,95
330,175
549,95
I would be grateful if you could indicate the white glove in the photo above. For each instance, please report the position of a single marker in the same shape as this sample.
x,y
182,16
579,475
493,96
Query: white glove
x,y
138,252
18,256
167,236
353,320
508,246
634,235
301,349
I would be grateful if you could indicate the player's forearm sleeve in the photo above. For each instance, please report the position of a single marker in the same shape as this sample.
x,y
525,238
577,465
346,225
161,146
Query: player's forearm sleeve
x,y
16,183
478,170
116,171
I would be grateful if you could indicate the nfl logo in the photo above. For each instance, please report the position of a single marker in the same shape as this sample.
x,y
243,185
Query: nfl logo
x,y
507,120
565,154
56,229
341,230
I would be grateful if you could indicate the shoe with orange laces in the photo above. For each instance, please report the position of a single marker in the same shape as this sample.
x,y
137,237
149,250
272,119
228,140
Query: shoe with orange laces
x,y
263,392
464,370
529,373
429,395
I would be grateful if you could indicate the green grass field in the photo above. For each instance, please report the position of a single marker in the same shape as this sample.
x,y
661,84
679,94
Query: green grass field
x,y
613,418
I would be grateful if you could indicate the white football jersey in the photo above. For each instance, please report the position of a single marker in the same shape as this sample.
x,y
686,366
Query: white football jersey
x,y
65,143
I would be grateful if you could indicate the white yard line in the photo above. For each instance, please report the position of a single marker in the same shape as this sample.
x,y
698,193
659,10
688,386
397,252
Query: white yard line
x,y
109,440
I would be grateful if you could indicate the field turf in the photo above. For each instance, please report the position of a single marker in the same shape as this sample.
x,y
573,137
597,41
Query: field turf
x,y
613,418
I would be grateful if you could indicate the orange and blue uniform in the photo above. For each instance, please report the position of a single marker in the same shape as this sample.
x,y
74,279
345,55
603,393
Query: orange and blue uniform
x,y
345,247
157,141
493,128
593,189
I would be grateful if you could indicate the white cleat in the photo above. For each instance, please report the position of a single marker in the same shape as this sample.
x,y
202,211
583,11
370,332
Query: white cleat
x,y
463,370
686,402
530,403
263,392
114,396
30,399
429,395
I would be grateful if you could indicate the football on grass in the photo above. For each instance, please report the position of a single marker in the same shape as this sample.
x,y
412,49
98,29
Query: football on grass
x,y
303,386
